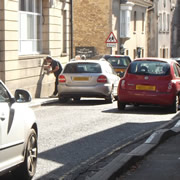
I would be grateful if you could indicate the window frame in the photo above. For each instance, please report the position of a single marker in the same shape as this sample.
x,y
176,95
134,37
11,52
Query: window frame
x,y
30,39
168,22
135,19
164,22
64,32
160,22
176,72
143,22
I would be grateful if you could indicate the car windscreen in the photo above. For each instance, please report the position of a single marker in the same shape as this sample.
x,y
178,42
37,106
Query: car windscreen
x,y
154,68
119,61
178,61
83,68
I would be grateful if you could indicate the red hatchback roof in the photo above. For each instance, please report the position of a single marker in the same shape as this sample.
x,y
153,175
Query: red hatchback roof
x,y
155,59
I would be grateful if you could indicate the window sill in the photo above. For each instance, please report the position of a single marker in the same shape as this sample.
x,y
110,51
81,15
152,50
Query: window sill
x,y
32,56
63,54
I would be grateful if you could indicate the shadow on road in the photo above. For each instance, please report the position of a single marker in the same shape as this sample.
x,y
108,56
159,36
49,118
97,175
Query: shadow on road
x,y
82,150
84,102
130,109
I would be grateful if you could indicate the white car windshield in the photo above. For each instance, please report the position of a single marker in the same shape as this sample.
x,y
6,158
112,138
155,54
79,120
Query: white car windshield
x,y
4,97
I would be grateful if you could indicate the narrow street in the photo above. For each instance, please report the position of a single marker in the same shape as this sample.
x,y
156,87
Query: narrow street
x,y
75,134
61,49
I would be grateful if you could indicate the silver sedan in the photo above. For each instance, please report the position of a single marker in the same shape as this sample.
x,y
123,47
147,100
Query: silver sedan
x,y
88,78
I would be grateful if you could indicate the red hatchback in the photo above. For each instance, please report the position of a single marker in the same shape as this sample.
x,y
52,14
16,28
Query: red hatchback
x,y
152,81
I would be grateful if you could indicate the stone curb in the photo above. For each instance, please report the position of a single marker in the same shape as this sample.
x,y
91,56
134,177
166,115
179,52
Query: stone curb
x,y
46,102
124,160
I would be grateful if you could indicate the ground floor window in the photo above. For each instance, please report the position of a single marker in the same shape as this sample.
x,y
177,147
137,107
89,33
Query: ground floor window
x,y
30,27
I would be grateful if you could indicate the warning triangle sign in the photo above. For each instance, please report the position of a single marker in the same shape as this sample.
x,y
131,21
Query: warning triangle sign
x,y
111,38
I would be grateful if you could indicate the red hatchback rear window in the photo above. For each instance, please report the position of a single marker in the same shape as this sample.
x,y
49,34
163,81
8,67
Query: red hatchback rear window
x,y
152,68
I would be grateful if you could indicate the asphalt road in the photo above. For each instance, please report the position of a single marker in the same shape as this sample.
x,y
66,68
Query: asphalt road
x,y
76,134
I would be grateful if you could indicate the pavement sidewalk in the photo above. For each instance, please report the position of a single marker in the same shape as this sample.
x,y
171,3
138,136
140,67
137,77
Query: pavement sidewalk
x,y
158,158
35,102
163,163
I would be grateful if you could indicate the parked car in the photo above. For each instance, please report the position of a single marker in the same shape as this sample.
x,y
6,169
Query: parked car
x,y
18,134
88,78
150,81
119,63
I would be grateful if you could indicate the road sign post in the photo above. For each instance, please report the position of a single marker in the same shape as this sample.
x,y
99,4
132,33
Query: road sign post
x,y
111,44
111,40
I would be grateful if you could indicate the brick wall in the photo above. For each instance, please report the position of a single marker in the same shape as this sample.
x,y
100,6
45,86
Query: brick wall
x,y
92,24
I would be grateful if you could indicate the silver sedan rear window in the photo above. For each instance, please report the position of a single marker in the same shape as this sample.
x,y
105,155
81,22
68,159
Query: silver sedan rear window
x,y
83,68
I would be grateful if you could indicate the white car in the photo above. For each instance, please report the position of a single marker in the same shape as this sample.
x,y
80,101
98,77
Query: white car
x,y
88,78
18,134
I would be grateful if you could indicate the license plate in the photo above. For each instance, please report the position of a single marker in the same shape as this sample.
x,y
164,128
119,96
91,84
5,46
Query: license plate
x,y
80,78
145,87
120,70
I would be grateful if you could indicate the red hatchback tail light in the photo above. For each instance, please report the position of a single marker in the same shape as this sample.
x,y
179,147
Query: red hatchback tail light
x,y
102,79
62,79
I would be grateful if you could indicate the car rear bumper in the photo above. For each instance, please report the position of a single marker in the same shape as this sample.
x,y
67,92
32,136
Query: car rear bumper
x,y
143,97
102,90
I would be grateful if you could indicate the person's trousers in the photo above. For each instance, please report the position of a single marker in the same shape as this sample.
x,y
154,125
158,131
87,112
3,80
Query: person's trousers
x,y
56,86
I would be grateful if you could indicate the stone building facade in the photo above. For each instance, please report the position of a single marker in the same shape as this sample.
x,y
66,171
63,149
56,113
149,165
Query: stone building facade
x,y
29,31
134,37
161,20
175,29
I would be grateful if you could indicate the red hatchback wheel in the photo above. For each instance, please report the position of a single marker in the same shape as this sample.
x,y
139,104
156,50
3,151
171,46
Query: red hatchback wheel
x,y
120,105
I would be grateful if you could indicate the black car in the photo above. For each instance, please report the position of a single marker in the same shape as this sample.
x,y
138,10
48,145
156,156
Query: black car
x,y
119,63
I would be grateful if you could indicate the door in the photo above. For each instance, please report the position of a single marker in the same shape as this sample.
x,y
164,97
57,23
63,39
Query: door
x,y
11,131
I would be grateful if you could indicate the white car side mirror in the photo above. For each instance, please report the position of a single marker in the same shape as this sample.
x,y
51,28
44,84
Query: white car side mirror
x,y
22,96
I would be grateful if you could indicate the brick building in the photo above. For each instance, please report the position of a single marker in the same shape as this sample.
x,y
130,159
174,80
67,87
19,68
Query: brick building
x,y
93,21
92,24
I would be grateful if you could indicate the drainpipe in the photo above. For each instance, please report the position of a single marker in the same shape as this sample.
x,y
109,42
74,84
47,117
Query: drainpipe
x,y
71,28
118,34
